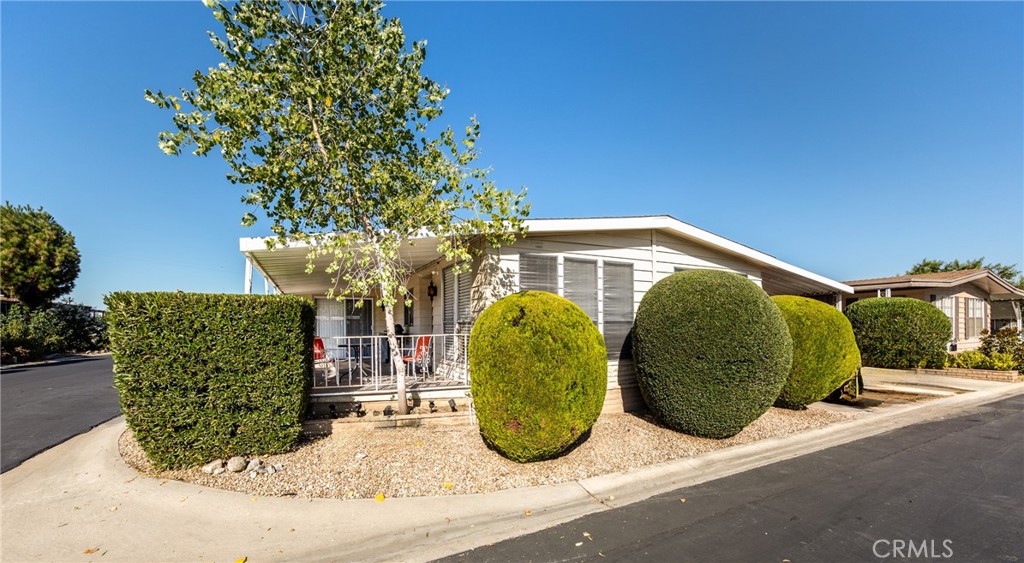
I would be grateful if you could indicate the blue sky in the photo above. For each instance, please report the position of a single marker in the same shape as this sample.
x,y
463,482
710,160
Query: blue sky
x,y
851,139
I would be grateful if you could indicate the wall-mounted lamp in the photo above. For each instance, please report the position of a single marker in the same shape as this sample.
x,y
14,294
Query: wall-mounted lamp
x,y
431,291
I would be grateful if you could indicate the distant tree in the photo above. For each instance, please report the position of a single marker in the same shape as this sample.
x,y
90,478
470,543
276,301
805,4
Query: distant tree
x,y
1008,272
321,109
38,257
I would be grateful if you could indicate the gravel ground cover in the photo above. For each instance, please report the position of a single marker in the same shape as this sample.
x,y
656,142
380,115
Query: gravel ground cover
x,y
427,461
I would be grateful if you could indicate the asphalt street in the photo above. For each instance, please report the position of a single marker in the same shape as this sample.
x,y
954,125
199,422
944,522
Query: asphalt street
x,y
951,489
44,405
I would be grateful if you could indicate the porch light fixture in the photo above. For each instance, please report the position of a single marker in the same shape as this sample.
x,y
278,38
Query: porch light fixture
x,y
431,291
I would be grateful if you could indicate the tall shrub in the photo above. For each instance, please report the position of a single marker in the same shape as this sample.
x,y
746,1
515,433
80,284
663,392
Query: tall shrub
x,y
899,332
539,374
712,352
204,376
825,353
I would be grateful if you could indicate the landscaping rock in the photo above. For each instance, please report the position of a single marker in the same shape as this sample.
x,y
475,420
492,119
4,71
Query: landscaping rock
x,y
361,455
253,474
236,464
254,465
271,470
218,471
214,465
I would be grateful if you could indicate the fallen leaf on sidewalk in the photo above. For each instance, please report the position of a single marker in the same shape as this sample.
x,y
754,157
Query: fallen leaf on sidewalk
x,y
90,551
62,525
112,508
242,560
587,535
527,513
380,497
579,543
448,485
682,500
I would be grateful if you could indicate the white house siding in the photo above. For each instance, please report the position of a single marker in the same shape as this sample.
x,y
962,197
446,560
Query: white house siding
x,y
653,255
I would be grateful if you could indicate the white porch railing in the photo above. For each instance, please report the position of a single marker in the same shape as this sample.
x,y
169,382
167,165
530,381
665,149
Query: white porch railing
x,y
363,363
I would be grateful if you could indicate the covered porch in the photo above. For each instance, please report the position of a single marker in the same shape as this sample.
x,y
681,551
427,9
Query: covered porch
x,y
352,358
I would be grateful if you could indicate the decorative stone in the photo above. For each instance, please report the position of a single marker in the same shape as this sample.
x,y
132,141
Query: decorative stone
x,y
236,464
271,470
218,471
214,465
361,455
279,466
254,464
253,474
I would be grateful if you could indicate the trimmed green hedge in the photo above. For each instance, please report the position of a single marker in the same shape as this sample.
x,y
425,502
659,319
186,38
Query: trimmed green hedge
x,y
539,374
900,332
825,354
209,376
712,352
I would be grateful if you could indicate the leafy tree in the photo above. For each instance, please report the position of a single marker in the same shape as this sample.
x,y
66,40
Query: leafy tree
x,y
321,110
38,256
1008,272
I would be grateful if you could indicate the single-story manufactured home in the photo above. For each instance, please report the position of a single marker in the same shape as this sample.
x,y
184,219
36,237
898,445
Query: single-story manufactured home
x,y
974,300
604,265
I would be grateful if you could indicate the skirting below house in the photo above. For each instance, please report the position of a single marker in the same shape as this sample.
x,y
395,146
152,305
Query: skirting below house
x,y
623,393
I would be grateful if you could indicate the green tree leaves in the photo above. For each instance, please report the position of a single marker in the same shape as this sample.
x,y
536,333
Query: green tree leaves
x,y
321,110
38,256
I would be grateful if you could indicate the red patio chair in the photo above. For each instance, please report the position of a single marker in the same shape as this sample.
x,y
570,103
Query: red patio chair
x,y
420,354
323,361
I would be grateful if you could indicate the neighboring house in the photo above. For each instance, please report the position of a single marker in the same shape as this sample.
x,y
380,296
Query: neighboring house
x,y
604,265
974,300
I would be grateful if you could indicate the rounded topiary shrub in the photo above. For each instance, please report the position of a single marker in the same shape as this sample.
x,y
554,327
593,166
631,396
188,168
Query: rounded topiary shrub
x,y
712,352
825,354
900,332
538,371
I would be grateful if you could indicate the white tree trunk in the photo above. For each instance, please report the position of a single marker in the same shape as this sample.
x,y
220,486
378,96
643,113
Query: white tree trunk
x,y
396,358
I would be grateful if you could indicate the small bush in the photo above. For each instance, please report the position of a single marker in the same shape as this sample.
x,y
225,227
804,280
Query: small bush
x,y
971,359
1003,351
206,376
825,354
899,332
712,352
1009,341
539,372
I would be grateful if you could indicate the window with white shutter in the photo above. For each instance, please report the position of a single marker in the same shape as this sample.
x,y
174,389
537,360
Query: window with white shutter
x,y
581,285
457,291
618,308
538,273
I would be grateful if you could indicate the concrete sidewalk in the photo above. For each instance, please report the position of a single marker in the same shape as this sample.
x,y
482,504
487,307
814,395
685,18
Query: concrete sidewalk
x,y
80,496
